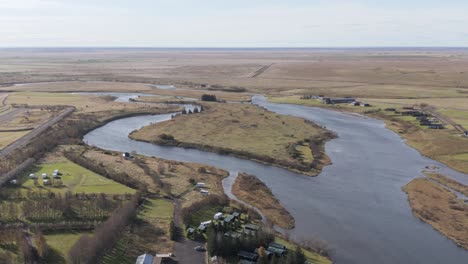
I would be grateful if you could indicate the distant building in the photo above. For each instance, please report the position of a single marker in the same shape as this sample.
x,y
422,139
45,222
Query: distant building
x,y
144,259
14,182
466,133
277,245
329,100
200,185
32,176
252,227
44,176
126,155
204,192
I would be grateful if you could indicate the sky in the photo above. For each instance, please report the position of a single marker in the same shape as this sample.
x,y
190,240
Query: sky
x,y
237,23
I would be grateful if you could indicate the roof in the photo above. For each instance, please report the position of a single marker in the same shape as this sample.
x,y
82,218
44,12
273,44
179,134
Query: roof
x,y
228,218
202,227
144,259
247,255
252,227
275,250
277,245
235,214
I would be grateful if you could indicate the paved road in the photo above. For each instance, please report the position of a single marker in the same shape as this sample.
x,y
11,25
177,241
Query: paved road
x,y
24,140
183,248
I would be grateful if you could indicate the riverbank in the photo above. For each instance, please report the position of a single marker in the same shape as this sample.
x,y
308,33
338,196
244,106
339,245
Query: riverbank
x,y
251,190
447,146
439,207
245,131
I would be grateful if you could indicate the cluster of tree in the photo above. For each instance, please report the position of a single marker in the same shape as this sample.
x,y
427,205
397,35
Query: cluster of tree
x,y
89,249
209,97
294,257
210,201
9,212
68,207
108,172
224,246
30,248
227,247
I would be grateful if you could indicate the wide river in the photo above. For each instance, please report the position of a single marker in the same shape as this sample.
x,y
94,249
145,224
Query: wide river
x,y
356,204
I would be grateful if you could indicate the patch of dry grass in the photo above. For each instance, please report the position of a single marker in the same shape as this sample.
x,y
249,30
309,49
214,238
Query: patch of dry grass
x,y
251,190
239,129
440,208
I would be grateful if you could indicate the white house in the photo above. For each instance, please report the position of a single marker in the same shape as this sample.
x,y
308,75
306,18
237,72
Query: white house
x,y
45,182
206,223
217,216
56,171
55,175
32,176
14,181
44,175
204,192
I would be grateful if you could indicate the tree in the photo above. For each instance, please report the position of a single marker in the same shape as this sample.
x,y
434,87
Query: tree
x,y
299,255
209,97
41,244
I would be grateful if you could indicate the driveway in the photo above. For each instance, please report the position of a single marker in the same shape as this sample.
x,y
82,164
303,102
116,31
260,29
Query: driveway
x,y
184,248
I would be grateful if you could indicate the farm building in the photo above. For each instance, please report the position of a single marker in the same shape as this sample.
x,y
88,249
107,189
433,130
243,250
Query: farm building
x,y
144,259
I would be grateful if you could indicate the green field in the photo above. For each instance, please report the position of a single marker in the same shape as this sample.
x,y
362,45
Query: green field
x,y
149,233
60,244
75,179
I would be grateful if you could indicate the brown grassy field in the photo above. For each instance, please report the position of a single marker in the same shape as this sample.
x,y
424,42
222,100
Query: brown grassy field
x,y
242,130
440,208
251,190
172,177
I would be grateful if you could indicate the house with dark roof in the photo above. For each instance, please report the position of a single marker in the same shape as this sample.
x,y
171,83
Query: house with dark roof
x,y
247,256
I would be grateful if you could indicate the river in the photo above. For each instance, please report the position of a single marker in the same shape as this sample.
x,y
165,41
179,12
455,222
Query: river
x,y
356,204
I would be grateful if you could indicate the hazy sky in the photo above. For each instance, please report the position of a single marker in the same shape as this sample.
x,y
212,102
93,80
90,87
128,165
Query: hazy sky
x,y
236,23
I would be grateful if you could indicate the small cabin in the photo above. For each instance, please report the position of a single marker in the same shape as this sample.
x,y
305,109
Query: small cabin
x,y
44,176
218,216
204,192
46,182
247,256
200,185
55,175
126,155
14,182
32,176
277,245
277,251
